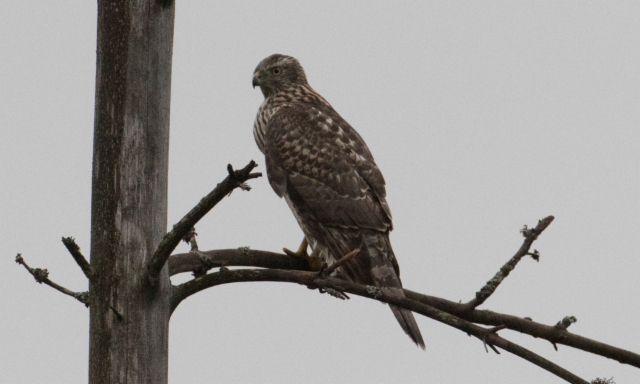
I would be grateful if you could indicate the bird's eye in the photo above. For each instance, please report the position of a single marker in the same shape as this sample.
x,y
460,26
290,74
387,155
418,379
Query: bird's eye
x,y
276,71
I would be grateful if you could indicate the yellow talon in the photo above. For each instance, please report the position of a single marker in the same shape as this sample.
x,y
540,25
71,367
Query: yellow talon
x,y
301,252
315,262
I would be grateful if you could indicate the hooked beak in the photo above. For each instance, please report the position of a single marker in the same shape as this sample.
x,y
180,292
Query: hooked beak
x,y
256,80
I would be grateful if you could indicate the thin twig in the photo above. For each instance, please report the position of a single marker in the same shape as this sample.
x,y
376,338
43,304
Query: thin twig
x,y
327,271
494,349
187,289
493,330
244,257
119,316
82,262
530,236
234,180
42,276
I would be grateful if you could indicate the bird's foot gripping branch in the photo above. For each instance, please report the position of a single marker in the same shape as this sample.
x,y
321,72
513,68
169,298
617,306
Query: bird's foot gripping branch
x,y
463,316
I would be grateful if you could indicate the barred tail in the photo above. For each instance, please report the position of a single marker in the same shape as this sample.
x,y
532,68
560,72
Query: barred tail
x,y
386,273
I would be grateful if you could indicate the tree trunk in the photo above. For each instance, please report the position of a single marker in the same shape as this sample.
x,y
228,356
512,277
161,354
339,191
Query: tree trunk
x,y
129,317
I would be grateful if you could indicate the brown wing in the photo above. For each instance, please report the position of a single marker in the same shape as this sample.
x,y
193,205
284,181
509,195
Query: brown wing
x,y
311,149
337,193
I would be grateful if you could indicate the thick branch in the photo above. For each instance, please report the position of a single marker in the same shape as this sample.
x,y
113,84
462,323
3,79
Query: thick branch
x,y
240,257
530,236
42,276
315,280
74,250
188,262
234,180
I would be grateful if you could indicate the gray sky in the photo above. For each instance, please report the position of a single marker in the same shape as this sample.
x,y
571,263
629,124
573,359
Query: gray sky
x,y
483,116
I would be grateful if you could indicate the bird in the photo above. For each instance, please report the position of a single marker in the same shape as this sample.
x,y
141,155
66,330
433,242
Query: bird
x,y
328,177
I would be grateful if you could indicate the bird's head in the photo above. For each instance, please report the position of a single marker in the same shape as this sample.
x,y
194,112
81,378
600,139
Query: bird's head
x,y
278,73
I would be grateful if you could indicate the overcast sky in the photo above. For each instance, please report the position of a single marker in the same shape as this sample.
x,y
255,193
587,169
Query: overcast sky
x,y
483,116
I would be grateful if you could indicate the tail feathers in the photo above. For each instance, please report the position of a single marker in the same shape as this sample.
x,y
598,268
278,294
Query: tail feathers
x,y
408,324
385,273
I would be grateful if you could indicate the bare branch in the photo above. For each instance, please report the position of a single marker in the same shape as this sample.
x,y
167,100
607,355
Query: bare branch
x,y
529,327
74,250
235,179
42,276
530,236
239,257
314,280
244,257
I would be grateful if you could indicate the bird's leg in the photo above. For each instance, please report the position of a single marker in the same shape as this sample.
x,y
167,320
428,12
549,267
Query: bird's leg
x,y
314,260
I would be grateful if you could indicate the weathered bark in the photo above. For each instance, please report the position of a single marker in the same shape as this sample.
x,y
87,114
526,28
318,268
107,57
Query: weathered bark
x,y
129,317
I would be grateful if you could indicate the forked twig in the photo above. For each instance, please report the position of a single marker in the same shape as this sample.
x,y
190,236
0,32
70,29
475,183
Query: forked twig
x,y
42,276
530,235
235,179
